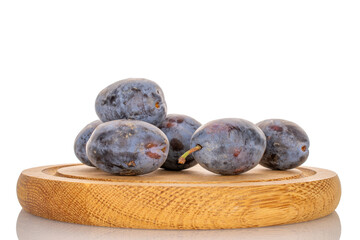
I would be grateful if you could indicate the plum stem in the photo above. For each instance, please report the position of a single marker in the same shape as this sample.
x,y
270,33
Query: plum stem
x,y
182,159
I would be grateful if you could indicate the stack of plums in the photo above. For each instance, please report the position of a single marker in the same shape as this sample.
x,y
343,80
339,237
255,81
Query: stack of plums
x,y
135,136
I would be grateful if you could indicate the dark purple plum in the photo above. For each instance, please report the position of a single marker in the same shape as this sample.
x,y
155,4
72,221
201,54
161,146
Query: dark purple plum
x,y
81,140
227,146
179,129
132,98
127,147
287,144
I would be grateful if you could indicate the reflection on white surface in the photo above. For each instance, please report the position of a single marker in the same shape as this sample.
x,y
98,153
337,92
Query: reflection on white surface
x,y
32,227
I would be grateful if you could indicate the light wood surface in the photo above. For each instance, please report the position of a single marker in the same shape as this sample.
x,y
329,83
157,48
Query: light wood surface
x,y
190,199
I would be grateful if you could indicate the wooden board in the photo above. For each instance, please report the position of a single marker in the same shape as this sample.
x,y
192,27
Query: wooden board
x,y
190,199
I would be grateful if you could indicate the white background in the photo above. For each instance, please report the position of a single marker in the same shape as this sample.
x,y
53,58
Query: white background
x,y
297,60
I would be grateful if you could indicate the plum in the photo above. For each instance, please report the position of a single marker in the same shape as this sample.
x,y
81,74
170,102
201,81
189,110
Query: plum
x,y
227,146
81,140
132,98
127,147
287,144
179,129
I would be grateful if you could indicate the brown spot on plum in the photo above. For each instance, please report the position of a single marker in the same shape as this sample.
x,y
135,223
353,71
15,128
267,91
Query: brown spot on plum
x,y
135,89
131,164
150,145
239,170
169,125
303,148
176,144
163,149
180,120
276,128
157,105
153,155
237,152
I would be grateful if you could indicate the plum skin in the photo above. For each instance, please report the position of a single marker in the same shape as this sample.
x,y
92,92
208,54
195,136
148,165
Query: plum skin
x,y
179,128
132,98
81,140
127,147
230,146
287,144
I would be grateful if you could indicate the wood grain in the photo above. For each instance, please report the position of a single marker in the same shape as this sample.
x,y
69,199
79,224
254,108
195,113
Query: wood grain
x,y
191,199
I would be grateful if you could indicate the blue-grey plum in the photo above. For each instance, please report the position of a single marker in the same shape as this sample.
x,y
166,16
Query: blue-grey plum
x,y
127,147
132,98
81,140
287,144
228,146
179,129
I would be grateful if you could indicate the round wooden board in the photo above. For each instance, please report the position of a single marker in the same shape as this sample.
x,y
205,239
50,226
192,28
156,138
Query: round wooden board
x,y
190,199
